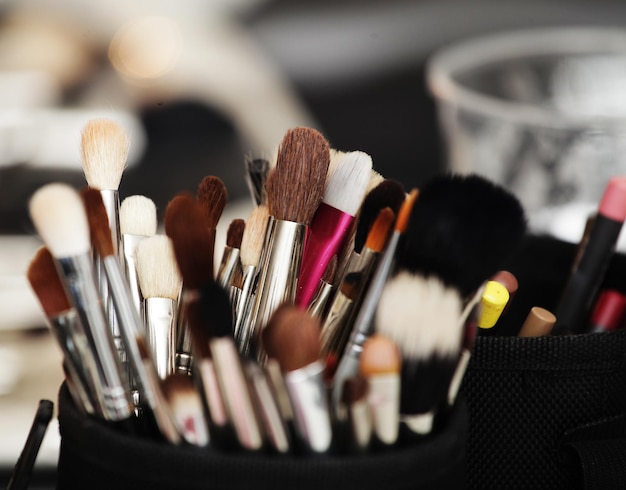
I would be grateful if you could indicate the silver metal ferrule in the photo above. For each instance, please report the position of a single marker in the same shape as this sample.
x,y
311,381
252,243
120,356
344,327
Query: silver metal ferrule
x,y
228,263
320,300
129,248
160,320
81,285
244,304
308,398
278,280
334,323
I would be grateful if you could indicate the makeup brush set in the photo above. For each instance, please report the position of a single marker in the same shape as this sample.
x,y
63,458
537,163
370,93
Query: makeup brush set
x,y
335,332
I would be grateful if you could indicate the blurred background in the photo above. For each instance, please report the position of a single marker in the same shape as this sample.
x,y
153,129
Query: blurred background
x,y
199,84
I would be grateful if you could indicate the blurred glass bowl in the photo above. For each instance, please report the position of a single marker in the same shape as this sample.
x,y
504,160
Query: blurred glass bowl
x,y
541,111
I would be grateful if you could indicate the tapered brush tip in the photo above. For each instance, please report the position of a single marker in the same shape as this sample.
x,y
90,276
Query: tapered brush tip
x,y
98,222
347,182
104,150
253,236
378,235
157,270
138,216
45,281
234,235
212,196
380,356
58,214
292,337
217,310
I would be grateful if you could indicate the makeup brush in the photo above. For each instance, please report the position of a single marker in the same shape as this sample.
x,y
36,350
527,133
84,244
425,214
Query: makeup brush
x,y
63,320
362,327
250,255
59,217
257,170
380,366
187,410
324,290
193,245
375,180
462,230
230,256
292,338
212,196
104,151
355,393
218,321
328,232
138,221
423,318
294,192
160,282
127,315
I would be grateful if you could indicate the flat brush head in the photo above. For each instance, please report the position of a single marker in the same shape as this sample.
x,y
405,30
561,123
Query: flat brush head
x,y
347,182
253,236
296,185
217,310
104,150
379,233
157,270
212,195
58,215
388,194
380,356
138,216
98,222
193,243
462,228
234,235
292,337
45,281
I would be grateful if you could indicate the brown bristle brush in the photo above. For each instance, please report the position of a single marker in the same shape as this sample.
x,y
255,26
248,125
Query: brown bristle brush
x,y
230,255
187,409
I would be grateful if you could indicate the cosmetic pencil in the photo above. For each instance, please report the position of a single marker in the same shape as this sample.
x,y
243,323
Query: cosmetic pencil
x,y
324,291
142,365
493,301
355,392
67,330
538,323
104,150
363,324
59,217
186,408
23,470
380,366
608,312
160,282
328,232
217,320
294,192
582,286
138,221
292,338
256,172
230,261
423,317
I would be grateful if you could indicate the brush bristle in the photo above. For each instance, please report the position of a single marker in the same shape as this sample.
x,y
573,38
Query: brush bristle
x,y
234,235
331,270
178,387
253,236
404,215
212,196
375,180
104,149
217,310
335,157
138,216
45,281
257,170
378,235
348,182
380,356
296,185
58,214
98,222
351,285
421,315
292,337
192,240
157,269
388,194
462,229
354,390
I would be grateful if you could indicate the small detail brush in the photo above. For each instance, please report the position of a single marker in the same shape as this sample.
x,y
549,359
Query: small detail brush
x,y
230,256
324,290
257,170
185,405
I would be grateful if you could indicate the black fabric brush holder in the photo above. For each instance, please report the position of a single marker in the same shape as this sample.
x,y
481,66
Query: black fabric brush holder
x,y
547,412
94,456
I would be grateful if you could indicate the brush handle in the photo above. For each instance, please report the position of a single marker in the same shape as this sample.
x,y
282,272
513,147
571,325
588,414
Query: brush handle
x,y
228,263
325,238
129,247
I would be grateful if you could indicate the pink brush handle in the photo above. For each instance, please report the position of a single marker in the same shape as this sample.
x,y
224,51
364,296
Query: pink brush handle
x,y
326,237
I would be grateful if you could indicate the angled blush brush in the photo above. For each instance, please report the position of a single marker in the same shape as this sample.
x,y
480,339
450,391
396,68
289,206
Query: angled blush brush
x,y
59,217
257,170
230,255
160,282
294,190
292,338
138,221
328,232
